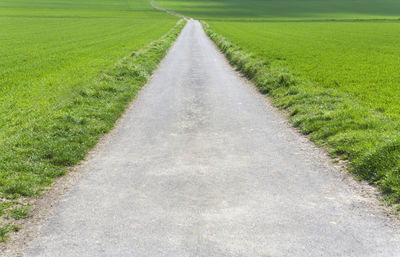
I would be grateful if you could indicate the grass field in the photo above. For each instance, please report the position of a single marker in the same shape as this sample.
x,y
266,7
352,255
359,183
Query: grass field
x,y
66,74
258,10
333,65
360,59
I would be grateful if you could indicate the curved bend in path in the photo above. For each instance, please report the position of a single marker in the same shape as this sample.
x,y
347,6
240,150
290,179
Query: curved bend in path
x,y
202,165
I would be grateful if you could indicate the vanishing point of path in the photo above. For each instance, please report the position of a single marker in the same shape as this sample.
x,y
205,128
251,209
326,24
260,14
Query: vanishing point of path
x,y
202,165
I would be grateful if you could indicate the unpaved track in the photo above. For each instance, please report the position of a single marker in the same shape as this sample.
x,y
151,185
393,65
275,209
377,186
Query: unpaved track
x,y
202,165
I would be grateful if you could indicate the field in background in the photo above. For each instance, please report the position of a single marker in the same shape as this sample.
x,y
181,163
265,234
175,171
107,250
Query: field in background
x,y
360,59
273,10
334,65
65,76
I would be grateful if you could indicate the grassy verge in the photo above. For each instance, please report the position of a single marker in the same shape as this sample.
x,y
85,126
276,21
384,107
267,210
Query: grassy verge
x,y
30,161
368,139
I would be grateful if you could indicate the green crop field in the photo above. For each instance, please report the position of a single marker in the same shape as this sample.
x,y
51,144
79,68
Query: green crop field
x,y
333,65
66,74
360,59
258,10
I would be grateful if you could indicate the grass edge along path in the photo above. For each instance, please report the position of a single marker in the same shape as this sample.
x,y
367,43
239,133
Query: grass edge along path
x,y
368,140
91,113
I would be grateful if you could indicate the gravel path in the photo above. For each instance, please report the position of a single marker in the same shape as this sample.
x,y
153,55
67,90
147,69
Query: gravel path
x,y
202,165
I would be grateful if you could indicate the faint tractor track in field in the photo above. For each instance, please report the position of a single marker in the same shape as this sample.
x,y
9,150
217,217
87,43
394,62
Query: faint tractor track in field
x,y
157,7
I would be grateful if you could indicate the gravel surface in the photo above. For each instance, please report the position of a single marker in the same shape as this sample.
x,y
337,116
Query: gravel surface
x,y
203,165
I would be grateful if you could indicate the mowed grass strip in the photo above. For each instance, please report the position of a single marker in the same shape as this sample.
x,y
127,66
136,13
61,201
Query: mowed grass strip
x,y
68,69
339,81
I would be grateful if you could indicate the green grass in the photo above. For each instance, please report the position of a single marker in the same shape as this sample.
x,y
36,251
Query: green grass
x,y
360,59
5,230
66,74
333,65
258,10
19,213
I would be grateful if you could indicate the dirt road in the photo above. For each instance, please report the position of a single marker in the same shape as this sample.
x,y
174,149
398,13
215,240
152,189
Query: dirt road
x,y
202,165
